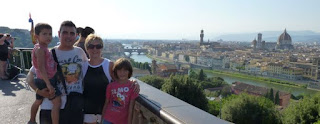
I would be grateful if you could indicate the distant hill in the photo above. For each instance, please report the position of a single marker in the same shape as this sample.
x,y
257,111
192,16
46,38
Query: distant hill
x,y
272,36
23,38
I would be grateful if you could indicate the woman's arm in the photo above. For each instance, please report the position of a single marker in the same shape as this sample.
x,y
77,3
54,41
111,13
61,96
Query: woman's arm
x,y
132,102
111,70
136,86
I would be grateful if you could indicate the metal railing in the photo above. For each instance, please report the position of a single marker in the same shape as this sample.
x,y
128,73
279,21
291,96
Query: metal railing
x,y
21,57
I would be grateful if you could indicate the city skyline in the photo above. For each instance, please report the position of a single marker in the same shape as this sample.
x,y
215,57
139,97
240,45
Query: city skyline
x,y
145,19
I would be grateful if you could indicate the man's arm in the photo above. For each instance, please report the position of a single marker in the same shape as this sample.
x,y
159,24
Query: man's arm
x,y
30,80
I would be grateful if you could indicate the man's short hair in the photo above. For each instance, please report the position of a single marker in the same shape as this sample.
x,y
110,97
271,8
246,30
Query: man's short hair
x,y
86,31
79,30
40,26
67,24
122,63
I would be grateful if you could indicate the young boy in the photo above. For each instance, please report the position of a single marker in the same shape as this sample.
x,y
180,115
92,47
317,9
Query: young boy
x,y
45,68
120,96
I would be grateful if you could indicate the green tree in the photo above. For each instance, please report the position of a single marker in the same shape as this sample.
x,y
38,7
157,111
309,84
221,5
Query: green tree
x,y
185,88
267,95
248,109
213,82
240,68
214,107
152,80
187,58
202,76
140,65
271,95
226,91
306,111
277,98
193,74
217,81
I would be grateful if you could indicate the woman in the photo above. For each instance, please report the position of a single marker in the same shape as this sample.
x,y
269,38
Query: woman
x,y
83,35
3,56
98,75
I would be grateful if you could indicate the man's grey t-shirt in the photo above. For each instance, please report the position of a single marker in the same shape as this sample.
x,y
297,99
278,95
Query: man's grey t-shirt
x,y
71,63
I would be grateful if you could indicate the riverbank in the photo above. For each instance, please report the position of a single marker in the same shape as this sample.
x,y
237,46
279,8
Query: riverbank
x,y
260,79
158,59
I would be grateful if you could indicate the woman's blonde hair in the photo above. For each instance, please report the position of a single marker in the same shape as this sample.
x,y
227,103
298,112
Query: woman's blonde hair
x,y
92,38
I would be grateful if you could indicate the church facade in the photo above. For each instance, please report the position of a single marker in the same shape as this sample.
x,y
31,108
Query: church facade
x,y
284,42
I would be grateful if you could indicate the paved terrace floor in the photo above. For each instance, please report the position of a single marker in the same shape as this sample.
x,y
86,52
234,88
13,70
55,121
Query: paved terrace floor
x,y
15,101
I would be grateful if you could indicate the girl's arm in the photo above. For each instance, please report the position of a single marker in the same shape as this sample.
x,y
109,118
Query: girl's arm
x,y
40,54
104,110
108,92
132,102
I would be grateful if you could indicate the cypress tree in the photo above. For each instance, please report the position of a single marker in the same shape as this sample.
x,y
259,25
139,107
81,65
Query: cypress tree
x,y
202,75
277,99
271,97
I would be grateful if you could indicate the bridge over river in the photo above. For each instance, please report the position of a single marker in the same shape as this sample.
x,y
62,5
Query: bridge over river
x,y
138,50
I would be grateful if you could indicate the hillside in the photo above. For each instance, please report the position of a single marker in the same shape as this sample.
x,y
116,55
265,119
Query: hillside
x,y
23,38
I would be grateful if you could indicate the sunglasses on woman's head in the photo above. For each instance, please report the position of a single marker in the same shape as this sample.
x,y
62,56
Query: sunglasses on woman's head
x,y
91,46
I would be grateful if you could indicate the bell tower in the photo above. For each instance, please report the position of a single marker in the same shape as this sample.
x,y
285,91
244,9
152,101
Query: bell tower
x,y
154,67
201,37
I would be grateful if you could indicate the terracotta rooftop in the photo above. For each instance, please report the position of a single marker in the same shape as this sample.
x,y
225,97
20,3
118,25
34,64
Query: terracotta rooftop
x,y
254,89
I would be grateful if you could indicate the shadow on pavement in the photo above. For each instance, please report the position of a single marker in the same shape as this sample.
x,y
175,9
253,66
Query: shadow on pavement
x,y
7,87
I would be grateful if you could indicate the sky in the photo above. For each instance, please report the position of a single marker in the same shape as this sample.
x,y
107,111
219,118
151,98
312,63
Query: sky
x,y
166,19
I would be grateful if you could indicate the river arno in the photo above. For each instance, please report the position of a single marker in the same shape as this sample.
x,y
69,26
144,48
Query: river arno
x,y
136,57
295,91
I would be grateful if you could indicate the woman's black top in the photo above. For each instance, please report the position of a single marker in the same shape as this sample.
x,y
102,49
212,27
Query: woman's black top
x,y
95,85
4,51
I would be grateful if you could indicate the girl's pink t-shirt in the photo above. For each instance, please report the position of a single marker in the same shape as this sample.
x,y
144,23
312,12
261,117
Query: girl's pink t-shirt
x,y
119,96
50,64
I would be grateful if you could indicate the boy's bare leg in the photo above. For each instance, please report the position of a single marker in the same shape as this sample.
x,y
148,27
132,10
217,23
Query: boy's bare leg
x,y
34,109
55,110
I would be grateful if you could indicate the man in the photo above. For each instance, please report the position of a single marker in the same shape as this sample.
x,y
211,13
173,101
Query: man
x,y
70,59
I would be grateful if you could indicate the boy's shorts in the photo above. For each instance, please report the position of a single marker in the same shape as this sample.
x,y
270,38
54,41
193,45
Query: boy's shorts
x,y
41,85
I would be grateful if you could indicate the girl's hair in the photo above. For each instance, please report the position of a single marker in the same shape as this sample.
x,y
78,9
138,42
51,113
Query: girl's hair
x,y
92,38
122,63
40,26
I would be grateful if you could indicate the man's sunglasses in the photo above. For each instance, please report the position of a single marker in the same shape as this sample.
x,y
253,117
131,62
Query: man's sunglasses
x,y
91,46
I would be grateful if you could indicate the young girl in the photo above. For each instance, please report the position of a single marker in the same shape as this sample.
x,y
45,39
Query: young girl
x,y
45,68
120,95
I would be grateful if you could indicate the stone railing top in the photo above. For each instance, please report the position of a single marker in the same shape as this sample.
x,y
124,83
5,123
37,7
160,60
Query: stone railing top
x,y
174,110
